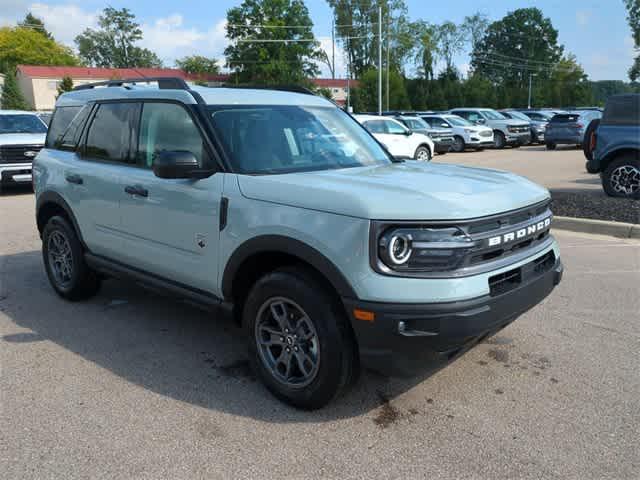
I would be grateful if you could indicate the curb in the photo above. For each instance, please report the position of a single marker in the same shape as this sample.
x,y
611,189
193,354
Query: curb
x,y
599,227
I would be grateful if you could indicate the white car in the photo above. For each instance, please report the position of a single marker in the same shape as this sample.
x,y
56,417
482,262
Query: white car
x,y
22,136
465,134
398,139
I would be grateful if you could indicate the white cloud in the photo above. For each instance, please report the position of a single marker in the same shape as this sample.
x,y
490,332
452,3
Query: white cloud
x,y
66,21
583,17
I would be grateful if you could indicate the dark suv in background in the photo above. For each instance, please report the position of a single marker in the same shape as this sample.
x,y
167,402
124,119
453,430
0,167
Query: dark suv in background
x,y
615,147
569,128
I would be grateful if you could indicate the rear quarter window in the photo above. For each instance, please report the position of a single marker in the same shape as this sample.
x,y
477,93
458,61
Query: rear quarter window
x,y
62,117
565,118
622,110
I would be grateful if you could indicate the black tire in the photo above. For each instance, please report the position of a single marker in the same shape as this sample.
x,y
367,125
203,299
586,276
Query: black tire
x,y
423,154
458,144
586,143
499,140
516,145
623,173
589,168
550,146
479,149
80,281
337,362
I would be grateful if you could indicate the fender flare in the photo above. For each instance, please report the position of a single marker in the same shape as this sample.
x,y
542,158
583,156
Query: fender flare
x,y
51,197
289,246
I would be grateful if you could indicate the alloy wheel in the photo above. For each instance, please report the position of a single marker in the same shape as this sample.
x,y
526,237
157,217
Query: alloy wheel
x,y
626,179
60,258
287,342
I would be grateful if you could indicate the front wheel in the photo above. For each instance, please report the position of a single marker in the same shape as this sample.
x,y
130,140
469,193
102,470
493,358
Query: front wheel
x,y
550,146
621,178
423,154
499,140
300,345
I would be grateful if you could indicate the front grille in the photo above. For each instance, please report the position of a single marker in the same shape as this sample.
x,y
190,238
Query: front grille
x,y
507,281
518,129
486,133
18,153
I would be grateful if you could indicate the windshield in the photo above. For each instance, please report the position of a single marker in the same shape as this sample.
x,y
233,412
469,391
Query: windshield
x,y
416,124
459,122
519,116
493,115
269,139
21,124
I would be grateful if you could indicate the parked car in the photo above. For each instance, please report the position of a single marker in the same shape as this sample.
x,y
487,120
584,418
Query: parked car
x,y
465,134
330,253
505,131
569,128
616,147
399,140
536,127
21,138
442,137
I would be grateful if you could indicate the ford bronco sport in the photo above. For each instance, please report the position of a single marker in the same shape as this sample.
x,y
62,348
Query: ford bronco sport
x,y
331,254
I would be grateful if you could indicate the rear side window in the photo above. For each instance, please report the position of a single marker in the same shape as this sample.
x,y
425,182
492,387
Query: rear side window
x,y
167,127
62,117
376,126
109,136
622,110
69,139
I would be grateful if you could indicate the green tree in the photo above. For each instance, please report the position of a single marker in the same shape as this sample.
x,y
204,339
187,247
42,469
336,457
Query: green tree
x,y
357,31
113,44
475,28
633,17
451,39
198,65
264,49
66,85
33,22
603,89
425,48
479,91
368,92
27,46
12,98
568,85
523,42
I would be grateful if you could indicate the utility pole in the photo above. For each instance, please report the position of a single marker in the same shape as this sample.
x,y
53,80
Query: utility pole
x,y
333,48
348,78
380,60
531,75
388,65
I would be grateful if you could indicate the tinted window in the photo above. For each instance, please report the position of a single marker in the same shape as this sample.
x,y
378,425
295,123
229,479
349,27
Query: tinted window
x,y
110,132
21,123
565,118
622,110
394,128
167,127
376,126
61,119
69,139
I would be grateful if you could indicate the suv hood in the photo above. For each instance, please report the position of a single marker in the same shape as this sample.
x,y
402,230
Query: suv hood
x,y
508,122
22,138
400,191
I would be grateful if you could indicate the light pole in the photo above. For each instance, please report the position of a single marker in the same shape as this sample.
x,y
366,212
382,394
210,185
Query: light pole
x,y
380,60
531,75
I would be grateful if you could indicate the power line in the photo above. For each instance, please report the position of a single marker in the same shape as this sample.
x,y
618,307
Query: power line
x,y
509,57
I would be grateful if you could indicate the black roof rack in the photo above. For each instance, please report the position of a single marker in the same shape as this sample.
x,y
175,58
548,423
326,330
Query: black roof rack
x,y
164,83
282,88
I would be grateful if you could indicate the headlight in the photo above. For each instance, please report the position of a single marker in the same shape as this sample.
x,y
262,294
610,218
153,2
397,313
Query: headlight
x,y
422,249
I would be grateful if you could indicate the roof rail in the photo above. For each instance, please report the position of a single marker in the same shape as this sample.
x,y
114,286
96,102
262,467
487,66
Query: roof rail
x,y
283,88
164,83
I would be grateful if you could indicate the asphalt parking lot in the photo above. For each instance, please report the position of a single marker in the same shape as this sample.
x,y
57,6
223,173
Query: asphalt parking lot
x,y
132,385
561,170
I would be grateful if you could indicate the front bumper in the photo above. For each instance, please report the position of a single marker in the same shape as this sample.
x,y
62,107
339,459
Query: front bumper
x,y
407,339
18,173
442,145
518,138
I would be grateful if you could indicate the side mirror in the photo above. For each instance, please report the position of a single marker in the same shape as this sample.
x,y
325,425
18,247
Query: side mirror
x,y
175,164
408,132
481,121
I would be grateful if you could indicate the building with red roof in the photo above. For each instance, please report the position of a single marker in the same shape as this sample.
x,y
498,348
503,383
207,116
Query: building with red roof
x,y
39,83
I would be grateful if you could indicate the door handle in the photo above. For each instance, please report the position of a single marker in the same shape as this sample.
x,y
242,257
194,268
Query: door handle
x,y
136,190
76,179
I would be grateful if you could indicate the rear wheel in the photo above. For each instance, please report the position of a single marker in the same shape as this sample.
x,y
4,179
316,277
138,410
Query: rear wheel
x,y
423,154
621,178
64,262
550,146
299,341
499,139
458,144
586,143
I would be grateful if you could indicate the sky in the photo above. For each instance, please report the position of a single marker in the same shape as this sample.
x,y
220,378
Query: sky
x,y
595,31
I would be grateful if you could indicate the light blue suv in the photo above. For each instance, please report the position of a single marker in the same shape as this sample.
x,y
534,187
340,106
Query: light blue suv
x,y
277,204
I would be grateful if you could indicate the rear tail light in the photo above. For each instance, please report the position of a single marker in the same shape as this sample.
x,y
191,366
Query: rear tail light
x,y
579,125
